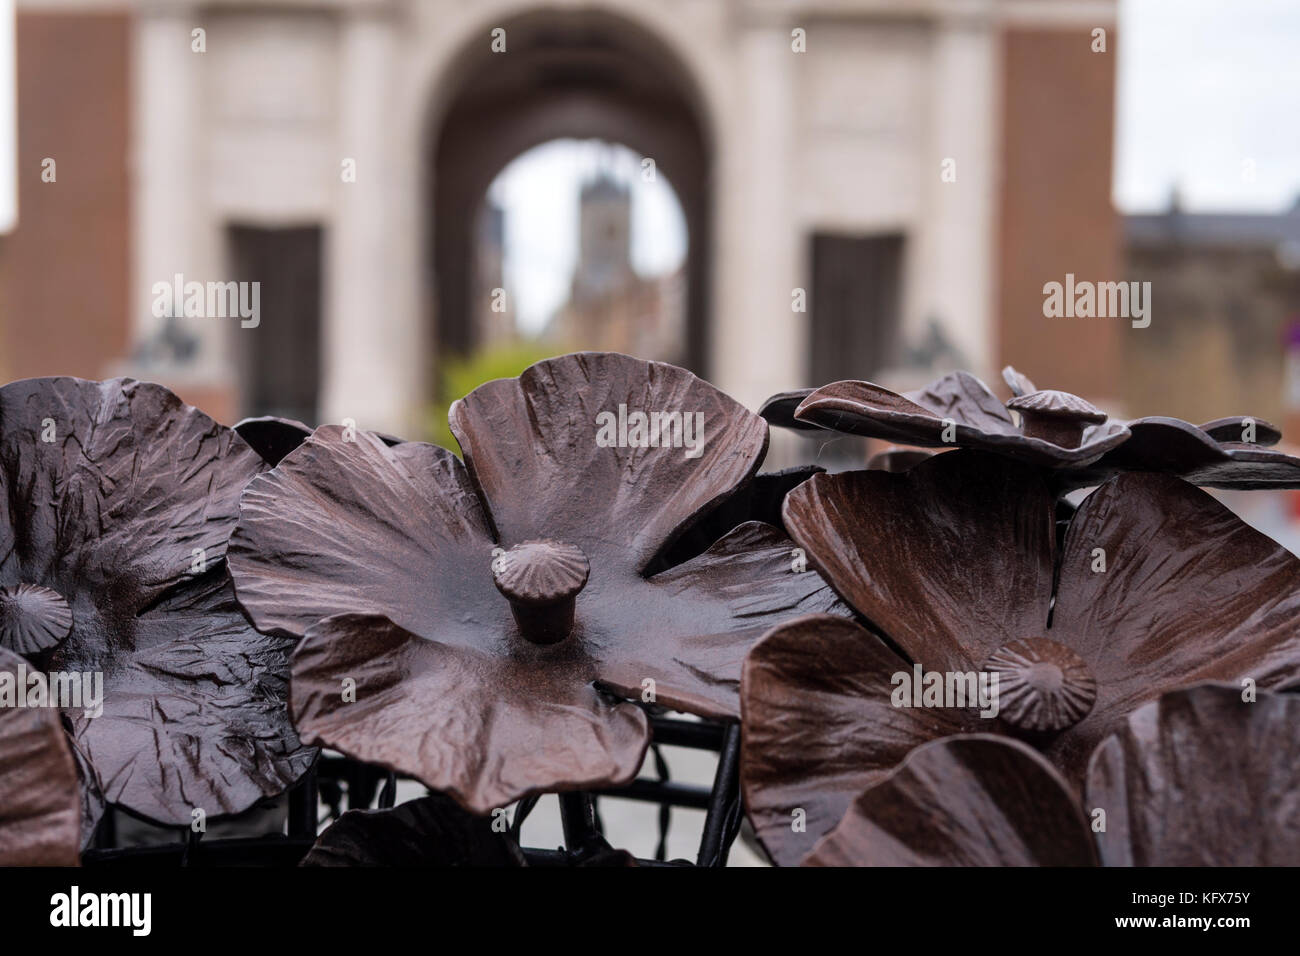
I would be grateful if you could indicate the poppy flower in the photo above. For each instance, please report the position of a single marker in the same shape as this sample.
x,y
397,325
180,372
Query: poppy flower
x,y
119,501
955,562
480,626
1056,429
1228,452
39,803
1199,777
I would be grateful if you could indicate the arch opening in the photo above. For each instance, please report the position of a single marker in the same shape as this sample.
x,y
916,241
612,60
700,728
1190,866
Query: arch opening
x,y
581,77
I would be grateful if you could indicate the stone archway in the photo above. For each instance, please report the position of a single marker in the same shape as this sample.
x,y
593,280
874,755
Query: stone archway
x,y
579,74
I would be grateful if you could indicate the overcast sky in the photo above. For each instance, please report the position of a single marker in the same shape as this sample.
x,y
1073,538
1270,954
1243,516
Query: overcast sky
x,y
1209,98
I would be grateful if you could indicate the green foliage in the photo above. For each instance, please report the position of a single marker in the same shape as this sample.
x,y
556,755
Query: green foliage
x,y
458,376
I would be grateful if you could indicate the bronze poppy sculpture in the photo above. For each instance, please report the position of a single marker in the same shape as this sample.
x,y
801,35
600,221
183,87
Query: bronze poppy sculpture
x,y
114,591
40,808
482,626
987,629
1056,429
1204,776
1228,452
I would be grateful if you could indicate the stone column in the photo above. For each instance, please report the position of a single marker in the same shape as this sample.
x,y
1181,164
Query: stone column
x,y
952,279
373,361
166,191
758,343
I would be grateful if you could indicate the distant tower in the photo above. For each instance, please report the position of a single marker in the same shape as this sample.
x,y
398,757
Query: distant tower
x,y
605,240
494,327
610,307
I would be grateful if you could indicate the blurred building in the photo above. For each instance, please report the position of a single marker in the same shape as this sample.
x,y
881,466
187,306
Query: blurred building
x,y
860,179
494,318
1228,287
610,307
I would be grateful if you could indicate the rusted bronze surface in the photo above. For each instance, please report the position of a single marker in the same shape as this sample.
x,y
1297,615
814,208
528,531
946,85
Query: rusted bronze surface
x,y
396,547
120,499
1159,586
39,802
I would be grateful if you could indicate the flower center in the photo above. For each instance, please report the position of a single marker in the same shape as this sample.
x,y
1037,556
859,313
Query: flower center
x,y
1042,685
541,580
33,618
1056,417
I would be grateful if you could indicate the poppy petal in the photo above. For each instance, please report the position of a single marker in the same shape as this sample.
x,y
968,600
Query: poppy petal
x,y
820,725
484,728
1201,778
976,800
557,453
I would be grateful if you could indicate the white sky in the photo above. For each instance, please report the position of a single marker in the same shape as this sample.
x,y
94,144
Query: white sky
x,y
1209,98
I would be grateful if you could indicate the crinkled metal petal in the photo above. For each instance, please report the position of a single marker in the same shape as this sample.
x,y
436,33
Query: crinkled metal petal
x,y
683,636
484,728
936,418
820,724
1176,447
119,488
779,409
1201,777
951,559
347,524
194,712
40,802
976,800
1162,586
556,453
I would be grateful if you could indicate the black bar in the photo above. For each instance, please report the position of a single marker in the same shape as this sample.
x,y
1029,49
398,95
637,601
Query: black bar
x,y
662,792
578,817
303,803
722,818
272,850
698,735
559,858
